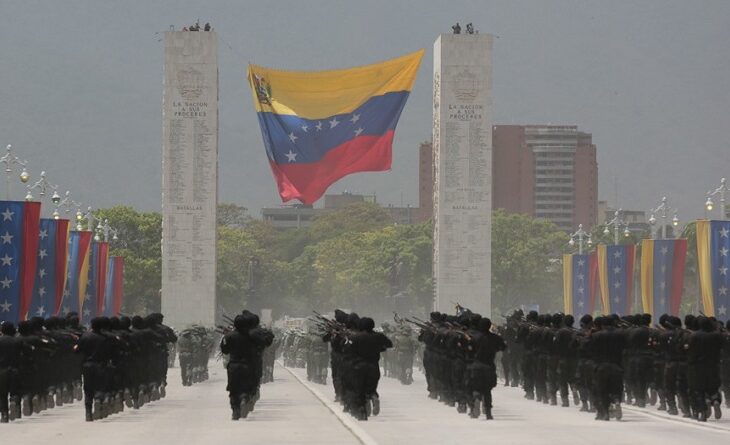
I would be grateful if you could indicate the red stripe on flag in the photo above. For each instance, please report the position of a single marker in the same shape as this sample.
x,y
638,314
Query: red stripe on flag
x,y
60,263
29,249
101,264
680,252
118,287
629,278
308,182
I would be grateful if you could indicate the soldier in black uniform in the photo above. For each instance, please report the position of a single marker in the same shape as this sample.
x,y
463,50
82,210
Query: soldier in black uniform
x,y
606,347
482,373
366,348
11,349
243,347
94,347
703,358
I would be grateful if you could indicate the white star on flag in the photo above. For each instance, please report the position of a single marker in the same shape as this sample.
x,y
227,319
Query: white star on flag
x,y
8,215
42,253
616,300
42,291
334,122
662,285
42,273
7,260
724,232
87,312
723,270
318,126
6,306
616,269
617,254
7,238
722,310
580,303
41,310
663,268
6,283
665,250
724,251
43,234
580,290
87,297
722,291
292,137
305,128
663,301
581,262
617,284
355,118
581,277
66,309
66,293
358,131
291,156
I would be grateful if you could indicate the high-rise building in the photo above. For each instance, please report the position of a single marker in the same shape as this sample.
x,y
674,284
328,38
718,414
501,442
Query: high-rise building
x,y
545,171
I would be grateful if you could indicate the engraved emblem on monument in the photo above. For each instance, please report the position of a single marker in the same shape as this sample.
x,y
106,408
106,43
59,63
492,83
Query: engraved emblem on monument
x,y
190,83
466,85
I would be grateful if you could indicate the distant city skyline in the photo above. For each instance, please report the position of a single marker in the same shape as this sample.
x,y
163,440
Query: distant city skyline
x,y
81,88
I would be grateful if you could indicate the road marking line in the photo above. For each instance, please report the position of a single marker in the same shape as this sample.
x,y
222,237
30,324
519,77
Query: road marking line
x,y
345,419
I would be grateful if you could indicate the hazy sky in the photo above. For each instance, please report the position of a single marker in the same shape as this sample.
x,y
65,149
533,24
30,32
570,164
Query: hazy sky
x,y
81,87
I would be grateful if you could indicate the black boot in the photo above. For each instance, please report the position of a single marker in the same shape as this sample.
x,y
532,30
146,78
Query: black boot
x,y
236,413
4,418
488,412
89,415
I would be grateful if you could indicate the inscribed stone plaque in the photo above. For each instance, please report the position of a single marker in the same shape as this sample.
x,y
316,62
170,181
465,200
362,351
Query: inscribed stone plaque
x,y
189,177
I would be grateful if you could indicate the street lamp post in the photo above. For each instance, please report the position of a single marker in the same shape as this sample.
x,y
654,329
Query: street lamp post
x,y
42,185
617,222
11,161
105,229
580,234
718,191
663,210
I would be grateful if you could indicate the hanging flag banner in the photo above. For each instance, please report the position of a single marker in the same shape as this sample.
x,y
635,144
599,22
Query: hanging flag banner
x,y
713,259
101,262
78,247
60,264
616,278
580,279
319,126
19,230
45,279
662,275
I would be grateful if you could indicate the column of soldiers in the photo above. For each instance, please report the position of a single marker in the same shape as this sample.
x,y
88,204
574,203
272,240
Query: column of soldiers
x,y
294,354
458,360
194,345
398,361
244,342
305,349
355,361
120,361
612,360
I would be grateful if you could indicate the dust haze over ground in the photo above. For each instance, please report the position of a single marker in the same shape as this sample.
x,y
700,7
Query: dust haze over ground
x,y
82,86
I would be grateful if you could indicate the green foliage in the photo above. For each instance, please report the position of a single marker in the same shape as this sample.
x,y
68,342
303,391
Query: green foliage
x,y
140,236
525,269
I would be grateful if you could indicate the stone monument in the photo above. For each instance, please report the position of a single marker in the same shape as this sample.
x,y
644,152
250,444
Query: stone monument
x,y
189,177
462,194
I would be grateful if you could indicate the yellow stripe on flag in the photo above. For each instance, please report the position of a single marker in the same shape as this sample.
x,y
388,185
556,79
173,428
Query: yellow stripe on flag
x,y
704,267
647,275
603,278
568,283
321,94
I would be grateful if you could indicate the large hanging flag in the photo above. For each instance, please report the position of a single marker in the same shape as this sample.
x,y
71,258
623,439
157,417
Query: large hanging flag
x,y
321,126
662,275
51,267
89,299
713,258
101,263
580,277
78,247
19,223
114,287
616,278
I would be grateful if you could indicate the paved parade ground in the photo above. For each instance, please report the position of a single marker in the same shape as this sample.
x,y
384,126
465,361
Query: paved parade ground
x,y
293,411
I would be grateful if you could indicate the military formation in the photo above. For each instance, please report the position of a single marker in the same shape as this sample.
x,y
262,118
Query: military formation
x,y
355,360
50,362
458,360
398,361
305,349
244,343
195,345
679,366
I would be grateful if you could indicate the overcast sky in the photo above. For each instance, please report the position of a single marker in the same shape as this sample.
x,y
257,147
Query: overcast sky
x,y
81,87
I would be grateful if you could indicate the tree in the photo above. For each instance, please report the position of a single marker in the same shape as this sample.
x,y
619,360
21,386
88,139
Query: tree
x,y
139,239
525,266
232,215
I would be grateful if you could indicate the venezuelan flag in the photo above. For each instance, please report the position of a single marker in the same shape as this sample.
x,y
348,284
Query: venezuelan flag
x,y
616,277
579,283
713,258
662,275
78,271
321,126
